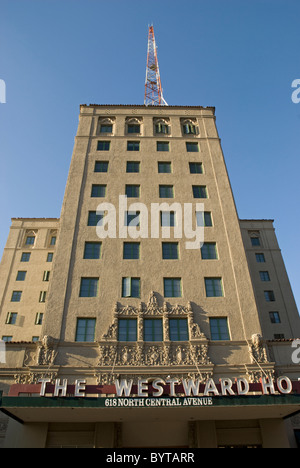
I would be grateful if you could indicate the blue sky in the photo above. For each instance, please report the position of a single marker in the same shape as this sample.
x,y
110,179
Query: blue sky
x,y
240,56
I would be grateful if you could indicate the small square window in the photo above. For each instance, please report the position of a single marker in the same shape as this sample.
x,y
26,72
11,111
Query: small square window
x,y
92,250
164,168
209,251
101,166
133,128
30,240
275,317
170,250
172,287
103,146
199,191
178,329
133,146
53,240
255,241
214,287
106,128
95,219
11,318
132,167
189,129
204,219
127,330
196,168
25,257
192,147
85,330
132,191
153,330
166,191
131,251
98,191
21,276
269,296
162,146
89,287
132,218
16,296
131,287
162,128
168,218
219,329
264,276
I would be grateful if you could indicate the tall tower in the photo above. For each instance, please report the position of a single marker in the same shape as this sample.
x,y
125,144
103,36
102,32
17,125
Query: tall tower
x,y
153,88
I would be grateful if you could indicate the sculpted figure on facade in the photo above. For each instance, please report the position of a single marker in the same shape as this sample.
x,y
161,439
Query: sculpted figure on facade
x,y
46,353
257,350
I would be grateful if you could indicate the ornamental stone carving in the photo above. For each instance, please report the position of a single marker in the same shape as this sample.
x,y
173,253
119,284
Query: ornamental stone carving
x,y
46,353
257,350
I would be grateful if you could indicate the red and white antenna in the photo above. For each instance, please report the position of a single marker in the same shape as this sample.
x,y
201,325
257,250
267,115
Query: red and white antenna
x,y
153,88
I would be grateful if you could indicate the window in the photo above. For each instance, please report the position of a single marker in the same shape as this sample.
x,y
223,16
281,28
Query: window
x,y
133,146
162,128
269,296
95,218
178,329
168,218
196,168
132,191
53,240
192,147
30,240
39,318
170,250
89,287
133,166
153,330
35,339
133,128
103,146
131,287
219,329
43,295
131,251
264,276
127,330
166,191
132,218
214,287
164,168
204,219
16,296
92,250
21,276
98,191
172,287
46,276
7,339
275,317
106,128
101,166
260,258
189,129
255,241
209,251
11,318
25,257
85,330
199,191
162,146
50,257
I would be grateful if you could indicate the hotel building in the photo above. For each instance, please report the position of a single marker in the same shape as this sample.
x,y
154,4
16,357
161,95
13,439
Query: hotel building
x,y
111,297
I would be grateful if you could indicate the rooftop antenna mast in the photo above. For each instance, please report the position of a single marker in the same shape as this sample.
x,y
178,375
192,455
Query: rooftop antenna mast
x,y
153,88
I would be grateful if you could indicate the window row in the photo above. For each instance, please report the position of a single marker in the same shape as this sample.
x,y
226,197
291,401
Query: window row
x,y
132,251
21,276
153,329
167,218
161,146
17,296
12,318
133,191
163,167
131,287
25,257
162,127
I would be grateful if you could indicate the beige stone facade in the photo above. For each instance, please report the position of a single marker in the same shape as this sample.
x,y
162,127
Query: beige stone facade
x,y
147,307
